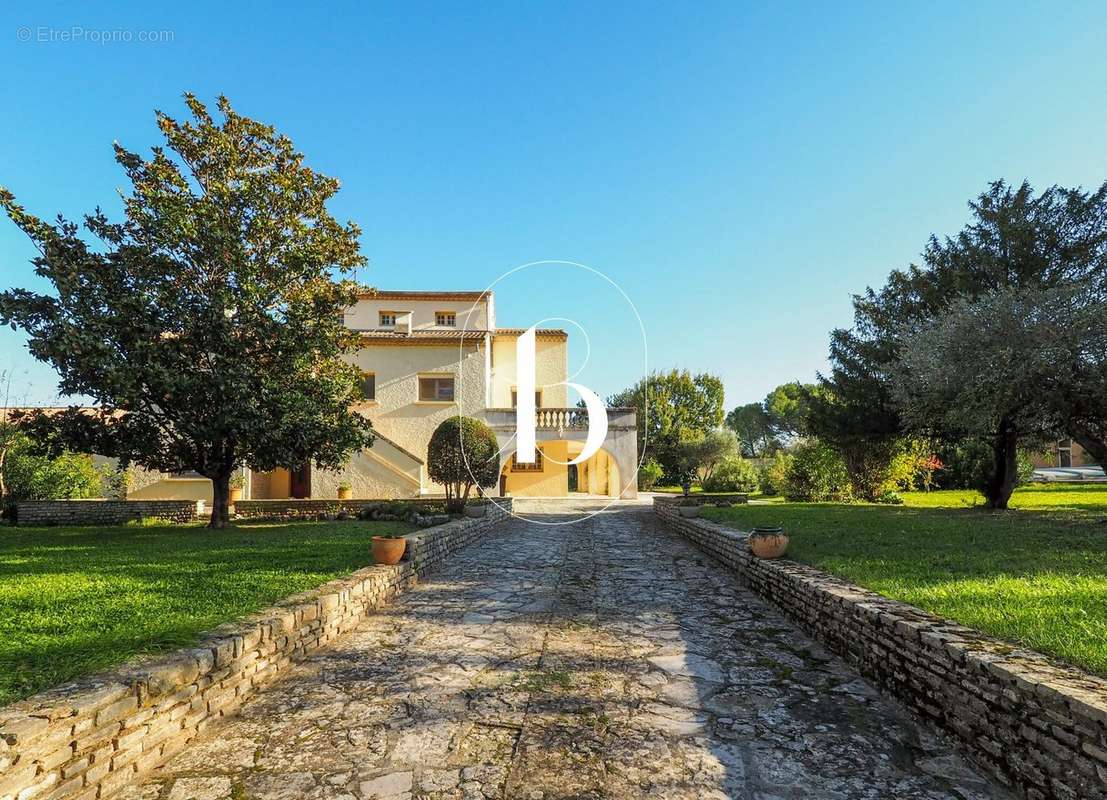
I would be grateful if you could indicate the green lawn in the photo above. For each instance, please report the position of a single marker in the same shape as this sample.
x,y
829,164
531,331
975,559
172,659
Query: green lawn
x,y
1036,575
76,600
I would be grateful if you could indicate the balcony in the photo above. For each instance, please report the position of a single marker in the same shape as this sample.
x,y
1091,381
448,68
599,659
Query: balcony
x,y
561,419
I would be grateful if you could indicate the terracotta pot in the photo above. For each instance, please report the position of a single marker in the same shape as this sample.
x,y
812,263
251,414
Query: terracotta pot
x,y
476,511
345,493
689,511
388,551
768,542
234,495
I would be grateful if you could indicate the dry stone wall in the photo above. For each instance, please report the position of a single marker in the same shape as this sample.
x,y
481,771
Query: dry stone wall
x,y
1037,725
88,740
103,512
296,508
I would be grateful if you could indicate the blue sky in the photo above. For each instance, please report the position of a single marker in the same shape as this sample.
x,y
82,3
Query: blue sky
x,y
738,168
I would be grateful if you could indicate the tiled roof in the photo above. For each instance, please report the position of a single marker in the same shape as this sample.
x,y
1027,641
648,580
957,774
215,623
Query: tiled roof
x,y
384,294
14,412
552,333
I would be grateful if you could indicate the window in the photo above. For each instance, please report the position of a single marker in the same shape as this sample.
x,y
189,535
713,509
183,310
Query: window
x,y
388,319
535,467
436,389
537,399
369,386
445,319
1064,453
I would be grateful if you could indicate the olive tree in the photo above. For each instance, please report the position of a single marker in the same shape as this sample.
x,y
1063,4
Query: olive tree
x,y
1017,241
207,323
986,370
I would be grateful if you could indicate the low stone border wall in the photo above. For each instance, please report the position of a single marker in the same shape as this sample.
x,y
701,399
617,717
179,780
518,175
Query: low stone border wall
x,y
309,507
91,738
1037,725
103,512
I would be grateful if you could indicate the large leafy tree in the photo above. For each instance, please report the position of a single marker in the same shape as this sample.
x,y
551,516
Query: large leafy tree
x,y
673,407
1016,240
788,407
754,429
207,323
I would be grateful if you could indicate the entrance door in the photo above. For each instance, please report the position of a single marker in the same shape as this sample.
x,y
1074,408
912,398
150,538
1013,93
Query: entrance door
x,y
300,482
573,477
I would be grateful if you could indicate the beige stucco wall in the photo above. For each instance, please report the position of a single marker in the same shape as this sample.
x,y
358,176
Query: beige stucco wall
x,y
551,363
398,413
365,315
174,489
552,481
382,471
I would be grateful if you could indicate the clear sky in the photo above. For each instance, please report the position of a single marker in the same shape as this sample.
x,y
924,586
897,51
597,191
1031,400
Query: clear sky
x,y
738,168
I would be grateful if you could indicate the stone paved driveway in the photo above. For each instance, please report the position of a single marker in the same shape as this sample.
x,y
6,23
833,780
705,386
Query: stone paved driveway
x,y
604,659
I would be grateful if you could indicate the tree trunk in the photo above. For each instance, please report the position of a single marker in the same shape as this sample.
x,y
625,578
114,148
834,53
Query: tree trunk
x,y
221,501
1092,444
1005,468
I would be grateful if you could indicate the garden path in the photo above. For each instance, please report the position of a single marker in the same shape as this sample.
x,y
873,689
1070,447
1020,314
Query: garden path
x,y
602,659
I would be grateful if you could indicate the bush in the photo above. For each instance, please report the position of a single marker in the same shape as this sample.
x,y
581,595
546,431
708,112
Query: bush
x,y
969,465
649,473
817,474
966,465
463,453
774,474
733,475
29,476
889,498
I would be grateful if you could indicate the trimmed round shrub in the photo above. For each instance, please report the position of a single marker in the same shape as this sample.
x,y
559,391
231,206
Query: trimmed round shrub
x,y
733,475
463,453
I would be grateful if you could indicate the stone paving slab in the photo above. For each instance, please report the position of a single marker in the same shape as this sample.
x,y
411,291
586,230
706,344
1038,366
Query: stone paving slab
x,y
603,659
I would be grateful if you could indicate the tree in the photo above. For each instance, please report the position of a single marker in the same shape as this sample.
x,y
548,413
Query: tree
x,y
985,370
788,409
686,455
1077,338
9,432
1017,240
206,324
672,406
861,436
717,447
463,453
754,428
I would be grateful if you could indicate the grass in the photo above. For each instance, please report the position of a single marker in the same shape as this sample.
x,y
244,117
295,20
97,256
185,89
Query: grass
x,y
77,600
1035,576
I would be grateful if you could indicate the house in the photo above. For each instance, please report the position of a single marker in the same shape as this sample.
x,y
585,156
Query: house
x,y
426,356
1063,453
